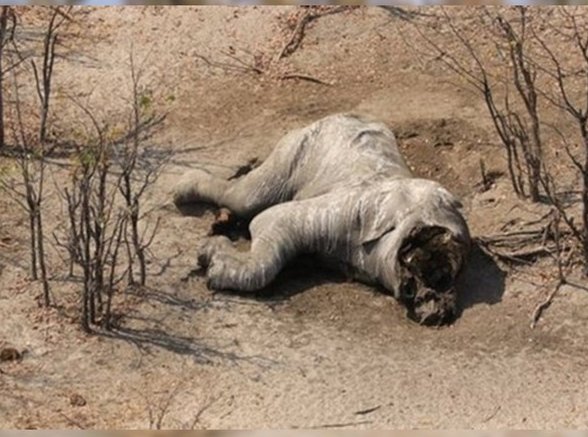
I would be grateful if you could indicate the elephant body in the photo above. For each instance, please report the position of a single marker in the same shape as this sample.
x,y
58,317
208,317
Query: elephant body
x,y
340,189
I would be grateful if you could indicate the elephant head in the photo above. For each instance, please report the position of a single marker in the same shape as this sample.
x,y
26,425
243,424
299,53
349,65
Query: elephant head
x,y
419,248
429,261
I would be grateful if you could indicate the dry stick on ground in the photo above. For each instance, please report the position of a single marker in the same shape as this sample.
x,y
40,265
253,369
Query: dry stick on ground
x,y
296,36
305,77
244,67
309,14
519,247
561,279
342,424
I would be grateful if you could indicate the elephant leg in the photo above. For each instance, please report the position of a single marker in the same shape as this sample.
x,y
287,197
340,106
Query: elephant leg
x,y
271,183
199,186
277,236
267,185
211,246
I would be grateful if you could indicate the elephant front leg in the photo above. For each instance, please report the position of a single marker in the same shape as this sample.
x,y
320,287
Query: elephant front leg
x,y
277,235
229,269
212,246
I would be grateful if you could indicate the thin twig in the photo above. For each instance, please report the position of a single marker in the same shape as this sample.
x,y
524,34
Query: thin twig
x,y
71,421
545,304
304,77
341,425
201,410
492,416
296,36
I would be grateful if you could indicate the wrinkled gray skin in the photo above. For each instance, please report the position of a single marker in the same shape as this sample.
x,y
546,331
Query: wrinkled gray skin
x,y
339,188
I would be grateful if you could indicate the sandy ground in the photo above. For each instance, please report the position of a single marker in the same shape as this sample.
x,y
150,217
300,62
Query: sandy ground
x,y
315,351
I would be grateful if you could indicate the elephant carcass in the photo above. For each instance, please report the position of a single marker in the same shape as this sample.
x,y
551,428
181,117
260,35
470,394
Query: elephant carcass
x,y
340,189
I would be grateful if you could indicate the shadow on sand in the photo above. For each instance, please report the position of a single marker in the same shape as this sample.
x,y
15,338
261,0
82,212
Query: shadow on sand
x,y
301,274
166,330
481,281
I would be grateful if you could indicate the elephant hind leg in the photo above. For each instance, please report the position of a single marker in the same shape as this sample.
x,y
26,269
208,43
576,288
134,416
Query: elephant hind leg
x,y
255,189
245,197
270,183
199,186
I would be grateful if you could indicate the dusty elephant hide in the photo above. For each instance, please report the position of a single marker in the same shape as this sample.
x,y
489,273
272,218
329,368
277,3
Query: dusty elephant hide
x,y
339,188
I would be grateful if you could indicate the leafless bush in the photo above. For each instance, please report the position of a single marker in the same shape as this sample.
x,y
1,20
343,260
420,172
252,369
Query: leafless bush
x,y
525,62
7,28
95,225
105,234
138,171
43,78
111,172
27,187
488,48
568,74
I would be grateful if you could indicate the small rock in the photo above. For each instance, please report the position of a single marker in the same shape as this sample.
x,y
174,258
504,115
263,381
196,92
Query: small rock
x,y
77,400
10,354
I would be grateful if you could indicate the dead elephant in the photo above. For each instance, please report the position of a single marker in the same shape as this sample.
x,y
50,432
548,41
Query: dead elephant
x,y
340,189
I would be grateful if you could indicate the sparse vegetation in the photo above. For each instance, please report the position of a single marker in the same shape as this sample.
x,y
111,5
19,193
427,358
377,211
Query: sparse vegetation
x,y
508,56
289,38
27,187
7,28
171,354
44,74
567,90
488,49
138,171
110,169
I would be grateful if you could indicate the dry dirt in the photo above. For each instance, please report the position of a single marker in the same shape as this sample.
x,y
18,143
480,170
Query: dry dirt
x,y
315,350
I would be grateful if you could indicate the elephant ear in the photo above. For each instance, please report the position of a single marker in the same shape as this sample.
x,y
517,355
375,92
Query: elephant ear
x,y
372,223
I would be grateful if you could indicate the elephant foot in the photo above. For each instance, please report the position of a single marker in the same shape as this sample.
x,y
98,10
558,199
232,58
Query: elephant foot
x,y
222,272
197,186
210,247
